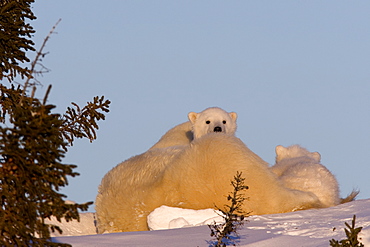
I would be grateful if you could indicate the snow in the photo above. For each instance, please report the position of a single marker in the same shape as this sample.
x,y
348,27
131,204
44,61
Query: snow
x,y
307,228
86,226
166,217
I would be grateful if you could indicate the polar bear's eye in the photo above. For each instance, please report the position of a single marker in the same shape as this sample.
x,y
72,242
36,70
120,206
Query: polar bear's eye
x,y
224,122
208,122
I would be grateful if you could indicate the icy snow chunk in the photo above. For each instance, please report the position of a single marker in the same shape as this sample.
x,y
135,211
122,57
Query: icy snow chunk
x,y
166,217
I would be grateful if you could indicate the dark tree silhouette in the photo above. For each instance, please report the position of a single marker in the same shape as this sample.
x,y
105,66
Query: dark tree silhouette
x,y
33,139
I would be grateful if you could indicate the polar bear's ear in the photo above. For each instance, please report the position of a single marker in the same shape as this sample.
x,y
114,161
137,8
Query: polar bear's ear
x,y
233,115
316,156
280,153
279,150
192,116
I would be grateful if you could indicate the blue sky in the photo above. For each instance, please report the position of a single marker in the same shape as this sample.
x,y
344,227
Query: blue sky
x,y
296,72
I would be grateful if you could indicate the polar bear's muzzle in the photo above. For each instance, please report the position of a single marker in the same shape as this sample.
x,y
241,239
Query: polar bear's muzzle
x,y
217,129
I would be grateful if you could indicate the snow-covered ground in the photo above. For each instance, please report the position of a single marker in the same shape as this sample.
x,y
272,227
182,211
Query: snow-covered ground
x,y
302,228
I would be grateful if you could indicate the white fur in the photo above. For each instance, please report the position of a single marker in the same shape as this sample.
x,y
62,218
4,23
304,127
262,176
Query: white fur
x,y
300,169
212,119
178,136
192,176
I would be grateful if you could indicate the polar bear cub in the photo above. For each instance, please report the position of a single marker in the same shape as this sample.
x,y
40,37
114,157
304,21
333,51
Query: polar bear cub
x,y
300,169
212,119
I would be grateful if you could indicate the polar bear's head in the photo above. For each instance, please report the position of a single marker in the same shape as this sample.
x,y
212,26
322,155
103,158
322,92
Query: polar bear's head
x,y
295,151
212,119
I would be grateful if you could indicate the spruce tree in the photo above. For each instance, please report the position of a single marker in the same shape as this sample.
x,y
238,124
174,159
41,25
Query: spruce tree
x,y
15,37
34,139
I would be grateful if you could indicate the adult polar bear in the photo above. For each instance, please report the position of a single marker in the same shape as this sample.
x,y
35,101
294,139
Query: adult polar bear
x,y
181,172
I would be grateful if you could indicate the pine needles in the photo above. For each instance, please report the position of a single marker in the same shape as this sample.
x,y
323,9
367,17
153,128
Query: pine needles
x,y
352,236
81,123
34,140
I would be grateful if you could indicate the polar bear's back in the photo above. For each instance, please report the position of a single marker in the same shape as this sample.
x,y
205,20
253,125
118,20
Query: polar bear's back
x,y
202,176
177,136
313,177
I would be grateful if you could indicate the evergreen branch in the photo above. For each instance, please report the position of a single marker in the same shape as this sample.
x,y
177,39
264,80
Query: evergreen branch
x,y
31,174
36,61
81,123
15,36
352,236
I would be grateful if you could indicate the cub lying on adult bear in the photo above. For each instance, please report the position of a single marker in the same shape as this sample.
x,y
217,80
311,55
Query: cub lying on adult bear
x,y
194,176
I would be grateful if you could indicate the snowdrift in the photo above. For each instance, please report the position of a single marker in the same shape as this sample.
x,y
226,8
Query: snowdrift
x,y
309,228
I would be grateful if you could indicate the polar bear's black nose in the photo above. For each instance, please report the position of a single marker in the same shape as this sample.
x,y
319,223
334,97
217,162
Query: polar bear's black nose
x,y
217,129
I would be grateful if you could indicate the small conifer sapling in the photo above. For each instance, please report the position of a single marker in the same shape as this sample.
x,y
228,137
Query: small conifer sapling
x,y
226,233
352,236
